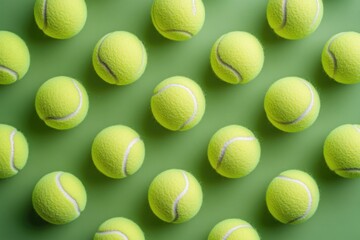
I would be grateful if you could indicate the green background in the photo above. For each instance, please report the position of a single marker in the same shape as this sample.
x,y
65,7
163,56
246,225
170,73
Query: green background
x,y
52,150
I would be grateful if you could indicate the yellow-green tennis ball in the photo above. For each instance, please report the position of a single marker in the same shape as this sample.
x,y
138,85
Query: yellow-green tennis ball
x,y
59,197
234,151
175,196
118,151
292,104
119,58
62,103
178,20
61,19
233,229
294,19
341,57
292,197
14,58
178,103
119,228
237,57
13,151
342,150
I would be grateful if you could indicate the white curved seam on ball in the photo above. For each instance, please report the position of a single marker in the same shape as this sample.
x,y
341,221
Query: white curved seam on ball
x,y
187,33
126,155
12,152
307,110
284,10
226,65
226,145
307,211
179,197
316,14
228,233
77,110
107,68
67,196
44,13
194,7
192,117
9,71
115,232
331,54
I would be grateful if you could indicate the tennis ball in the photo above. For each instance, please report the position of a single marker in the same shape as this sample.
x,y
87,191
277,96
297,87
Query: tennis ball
x,y
175,196
61,19
62,103
178,103
13,151
178,20
59,197
292,197
14,58
237,57
119,228
234,151
342,150
294,19
292,104
232,229
119,58
341,57
118,151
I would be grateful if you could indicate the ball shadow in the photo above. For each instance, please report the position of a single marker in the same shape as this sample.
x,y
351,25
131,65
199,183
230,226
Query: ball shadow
x,y
152,37
211,82
322,80
264,128
267,35
34,220
150,128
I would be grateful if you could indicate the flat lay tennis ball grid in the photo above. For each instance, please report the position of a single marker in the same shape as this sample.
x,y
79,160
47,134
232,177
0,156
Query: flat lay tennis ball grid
x,y
291,104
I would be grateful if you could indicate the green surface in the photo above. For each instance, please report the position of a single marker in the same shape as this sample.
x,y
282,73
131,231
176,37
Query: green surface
x,y
51,150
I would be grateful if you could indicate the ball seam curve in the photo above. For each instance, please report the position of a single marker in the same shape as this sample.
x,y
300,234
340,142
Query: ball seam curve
x,y
103,63
226,65
77,110
66,194
12,152
116,232
226,145
192,117
179,197
44,13
126,155
308,192
305,113
228,233
332,54
9,71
